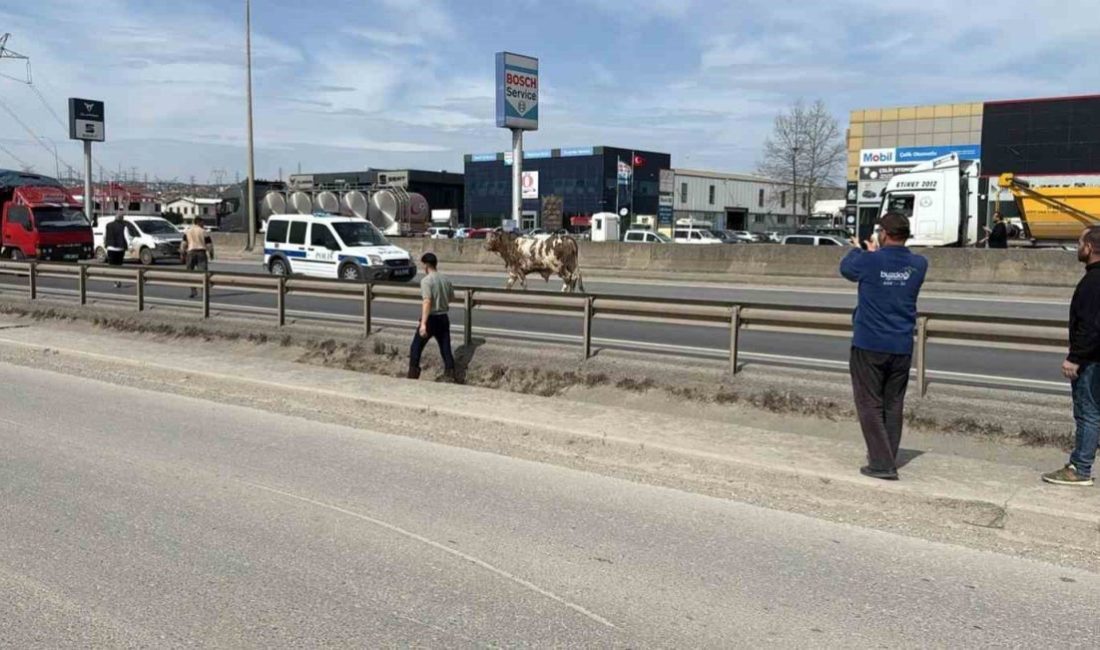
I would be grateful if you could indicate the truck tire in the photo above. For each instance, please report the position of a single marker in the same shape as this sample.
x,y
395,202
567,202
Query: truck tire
x,y
17,255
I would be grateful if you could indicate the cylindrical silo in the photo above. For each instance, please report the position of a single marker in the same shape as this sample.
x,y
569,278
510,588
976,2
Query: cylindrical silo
x,y
356,204
327,201
301,202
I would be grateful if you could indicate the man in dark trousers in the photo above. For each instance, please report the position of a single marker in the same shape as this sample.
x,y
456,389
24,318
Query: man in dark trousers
x,y
114,240
437,294
998,236
890,278
1082,365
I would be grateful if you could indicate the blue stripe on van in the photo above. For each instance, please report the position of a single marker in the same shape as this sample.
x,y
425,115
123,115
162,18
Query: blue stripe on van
x,y
272,251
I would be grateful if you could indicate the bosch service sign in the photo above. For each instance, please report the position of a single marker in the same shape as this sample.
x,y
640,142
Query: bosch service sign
x,y
517,91
86,120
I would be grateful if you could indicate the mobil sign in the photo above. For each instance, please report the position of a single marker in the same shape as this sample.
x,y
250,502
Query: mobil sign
x,y
873,157
517,84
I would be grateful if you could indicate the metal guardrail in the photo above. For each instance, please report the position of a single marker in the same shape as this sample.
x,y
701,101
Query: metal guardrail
x,y
986,331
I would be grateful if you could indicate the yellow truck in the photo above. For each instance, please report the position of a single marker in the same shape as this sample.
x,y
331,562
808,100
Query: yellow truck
x,y
1052,214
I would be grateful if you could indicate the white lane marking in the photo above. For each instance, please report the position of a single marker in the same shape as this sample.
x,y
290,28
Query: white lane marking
x,y
436,545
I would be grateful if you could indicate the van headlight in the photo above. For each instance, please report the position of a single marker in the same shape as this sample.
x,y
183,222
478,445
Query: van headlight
x,y
374,260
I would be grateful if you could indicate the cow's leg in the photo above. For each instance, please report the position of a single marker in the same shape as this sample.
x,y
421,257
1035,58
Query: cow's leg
x,y
511,281
523,281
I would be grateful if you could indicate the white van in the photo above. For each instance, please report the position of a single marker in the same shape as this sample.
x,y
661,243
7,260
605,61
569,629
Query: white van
x,y
150,238
326,245
646,237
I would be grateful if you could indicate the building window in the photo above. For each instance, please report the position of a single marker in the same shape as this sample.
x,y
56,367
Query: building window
x,y
781,220
759,218
805,200
711,195
760,199
683,192
783,199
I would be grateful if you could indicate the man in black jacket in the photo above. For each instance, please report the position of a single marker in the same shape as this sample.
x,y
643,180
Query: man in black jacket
x,y
114,240
1082,365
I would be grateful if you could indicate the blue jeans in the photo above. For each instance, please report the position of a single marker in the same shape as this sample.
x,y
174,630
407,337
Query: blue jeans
x,y
1086,412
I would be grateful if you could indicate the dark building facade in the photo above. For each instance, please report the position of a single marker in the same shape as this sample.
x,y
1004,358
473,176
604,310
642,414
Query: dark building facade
x,y
587,180
1057,136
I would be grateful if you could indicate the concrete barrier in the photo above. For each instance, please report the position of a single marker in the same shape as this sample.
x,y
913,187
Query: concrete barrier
x,y
1037,267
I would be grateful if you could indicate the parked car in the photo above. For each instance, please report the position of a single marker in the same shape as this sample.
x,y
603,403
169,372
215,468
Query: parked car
x,y
691,235
825,230
645,237
477,233
814,240
773,236
438,232
463,233
748,237
331,246
150,238
727,237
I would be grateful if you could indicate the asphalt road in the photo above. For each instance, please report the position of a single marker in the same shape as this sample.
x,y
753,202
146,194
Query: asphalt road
x,y
976,363
133,518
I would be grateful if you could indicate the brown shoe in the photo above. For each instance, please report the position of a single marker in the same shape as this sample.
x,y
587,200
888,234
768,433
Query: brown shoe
x,y
414,373
1068,476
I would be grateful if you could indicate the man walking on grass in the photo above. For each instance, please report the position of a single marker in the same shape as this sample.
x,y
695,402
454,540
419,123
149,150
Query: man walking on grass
x,y
437,294
1082,365
890,279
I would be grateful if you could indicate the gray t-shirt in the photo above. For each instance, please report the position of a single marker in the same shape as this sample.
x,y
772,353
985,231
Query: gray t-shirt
x,y
439,290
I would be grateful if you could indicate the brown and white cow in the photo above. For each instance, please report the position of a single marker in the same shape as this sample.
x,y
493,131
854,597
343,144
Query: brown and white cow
x,y
524,255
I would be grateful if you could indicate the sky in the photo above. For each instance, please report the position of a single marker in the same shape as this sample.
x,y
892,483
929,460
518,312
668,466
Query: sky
x,y
343,85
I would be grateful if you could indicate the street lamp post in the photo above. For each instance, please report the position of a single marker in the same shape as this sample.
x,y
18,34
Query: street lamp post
x,y
251,163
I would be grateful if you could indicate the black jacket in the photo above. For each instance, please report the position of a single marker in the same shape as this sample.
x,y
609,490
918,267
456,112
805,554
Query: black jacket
x,y
998,237
114,235
1084,318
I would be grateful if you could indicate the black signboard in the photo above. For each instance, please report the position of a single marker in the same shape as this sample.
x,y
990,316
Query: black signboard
x,y
86,120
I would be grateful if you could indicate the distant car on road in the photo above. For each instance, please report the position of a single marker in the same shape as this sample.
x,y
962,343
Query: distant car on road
x,y
437,232
694,236
814,240
747,237
645,237
726,236
477,233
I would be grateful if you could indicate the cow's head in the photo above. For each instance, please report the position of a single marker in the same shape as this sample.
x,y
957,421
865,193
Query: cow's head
x,y
497,241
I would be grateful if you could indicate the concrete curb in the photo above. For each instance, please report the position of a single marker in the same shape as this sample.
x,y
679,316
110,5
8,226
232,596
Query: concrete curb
x,y
1008,499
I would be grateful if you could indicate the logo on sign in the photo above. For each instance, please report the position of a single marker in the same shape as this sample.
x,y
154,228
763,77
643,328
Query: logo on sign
x,y
877,156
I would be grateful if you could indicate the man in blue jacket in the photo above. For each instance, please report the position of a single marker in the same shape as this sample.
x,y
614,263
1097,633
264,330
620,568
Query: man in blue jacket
x,y
890,278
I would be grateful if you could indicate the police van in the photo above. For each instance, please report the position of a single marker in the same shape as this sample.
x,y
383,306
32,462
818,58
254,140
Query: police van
x,y
326,245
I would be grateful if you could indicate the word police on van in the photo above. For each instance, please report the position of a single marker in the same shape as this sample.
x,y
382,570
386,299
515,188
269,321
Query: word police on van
x,y
325,245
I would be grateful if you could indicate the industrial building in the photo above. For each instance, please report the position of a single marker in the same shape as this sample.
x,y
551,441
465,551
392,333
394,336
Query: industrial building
x,y
742,201
576,182
1046,141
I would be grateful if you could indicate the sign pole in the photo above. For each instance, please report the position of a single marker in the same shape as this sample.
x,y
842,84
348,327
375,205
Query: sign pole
x,y
89,201
517,176
251,180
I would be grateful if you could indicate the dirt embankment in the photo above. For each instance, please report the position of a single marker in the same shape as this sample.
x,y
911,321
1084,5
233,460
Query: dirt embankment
x,y
701,388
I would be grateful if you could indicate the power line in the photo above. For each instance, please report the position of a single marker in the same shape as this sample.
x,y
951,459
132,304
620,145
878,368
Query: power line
x,y
17,159
34,136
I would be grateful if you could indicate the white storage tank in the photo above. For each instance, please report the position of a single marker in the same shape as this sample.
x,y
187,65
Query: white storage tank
x,y
301,202
327,202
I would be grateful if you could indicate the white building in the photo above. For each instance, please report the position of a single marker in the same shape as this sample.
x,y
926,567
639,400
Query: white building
x,y
741,201
189,207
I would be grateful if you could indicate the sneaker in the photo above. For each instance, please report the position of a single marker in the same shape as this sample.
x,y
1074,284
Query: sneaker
x,y
884,474
1067,476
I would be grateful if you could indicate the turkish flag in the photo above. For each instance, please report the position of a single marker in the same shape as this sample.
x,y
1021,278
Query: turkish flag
x,y
638,161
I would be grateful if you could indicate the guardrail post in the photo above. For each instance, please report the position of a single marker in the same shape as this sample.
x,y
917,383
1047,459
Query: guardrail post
x,y
82,284
588,327
735,336
468,319
922,358
206,294
368,298
32,274
140,288
280,303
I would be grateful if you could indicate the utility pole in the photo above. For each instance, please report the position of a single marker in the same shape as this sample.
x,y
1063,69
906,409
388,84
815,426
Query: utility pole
x,y
794,183
251,162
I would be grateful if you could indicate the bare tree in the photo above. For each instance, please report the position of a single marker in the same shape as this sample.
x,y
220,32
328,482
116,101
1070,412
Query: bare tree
x,y
805,149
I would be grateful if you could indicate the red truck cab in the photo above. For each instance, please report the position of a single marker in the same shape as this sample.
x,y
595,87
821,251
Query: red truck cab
x,y
39,219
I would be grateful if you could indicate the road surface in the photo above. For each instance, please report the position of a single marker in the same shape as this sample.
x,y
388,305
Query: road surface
x,y
137,518
975,364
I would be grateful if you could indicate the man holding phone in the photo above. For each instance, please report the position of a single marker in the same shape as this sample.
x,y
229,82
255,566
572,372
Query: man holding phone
x,y
890,279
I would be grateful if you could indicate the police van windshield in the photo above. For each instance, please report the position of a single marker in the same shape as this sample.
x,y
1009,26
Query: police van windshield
x,y
360,233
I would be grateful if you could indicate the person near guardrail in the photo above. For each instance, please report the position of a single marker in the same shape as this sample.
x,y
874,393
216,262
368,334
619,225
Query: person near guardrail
x,y
114,240
198,249
890,279
1082,365
437,294
997,237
